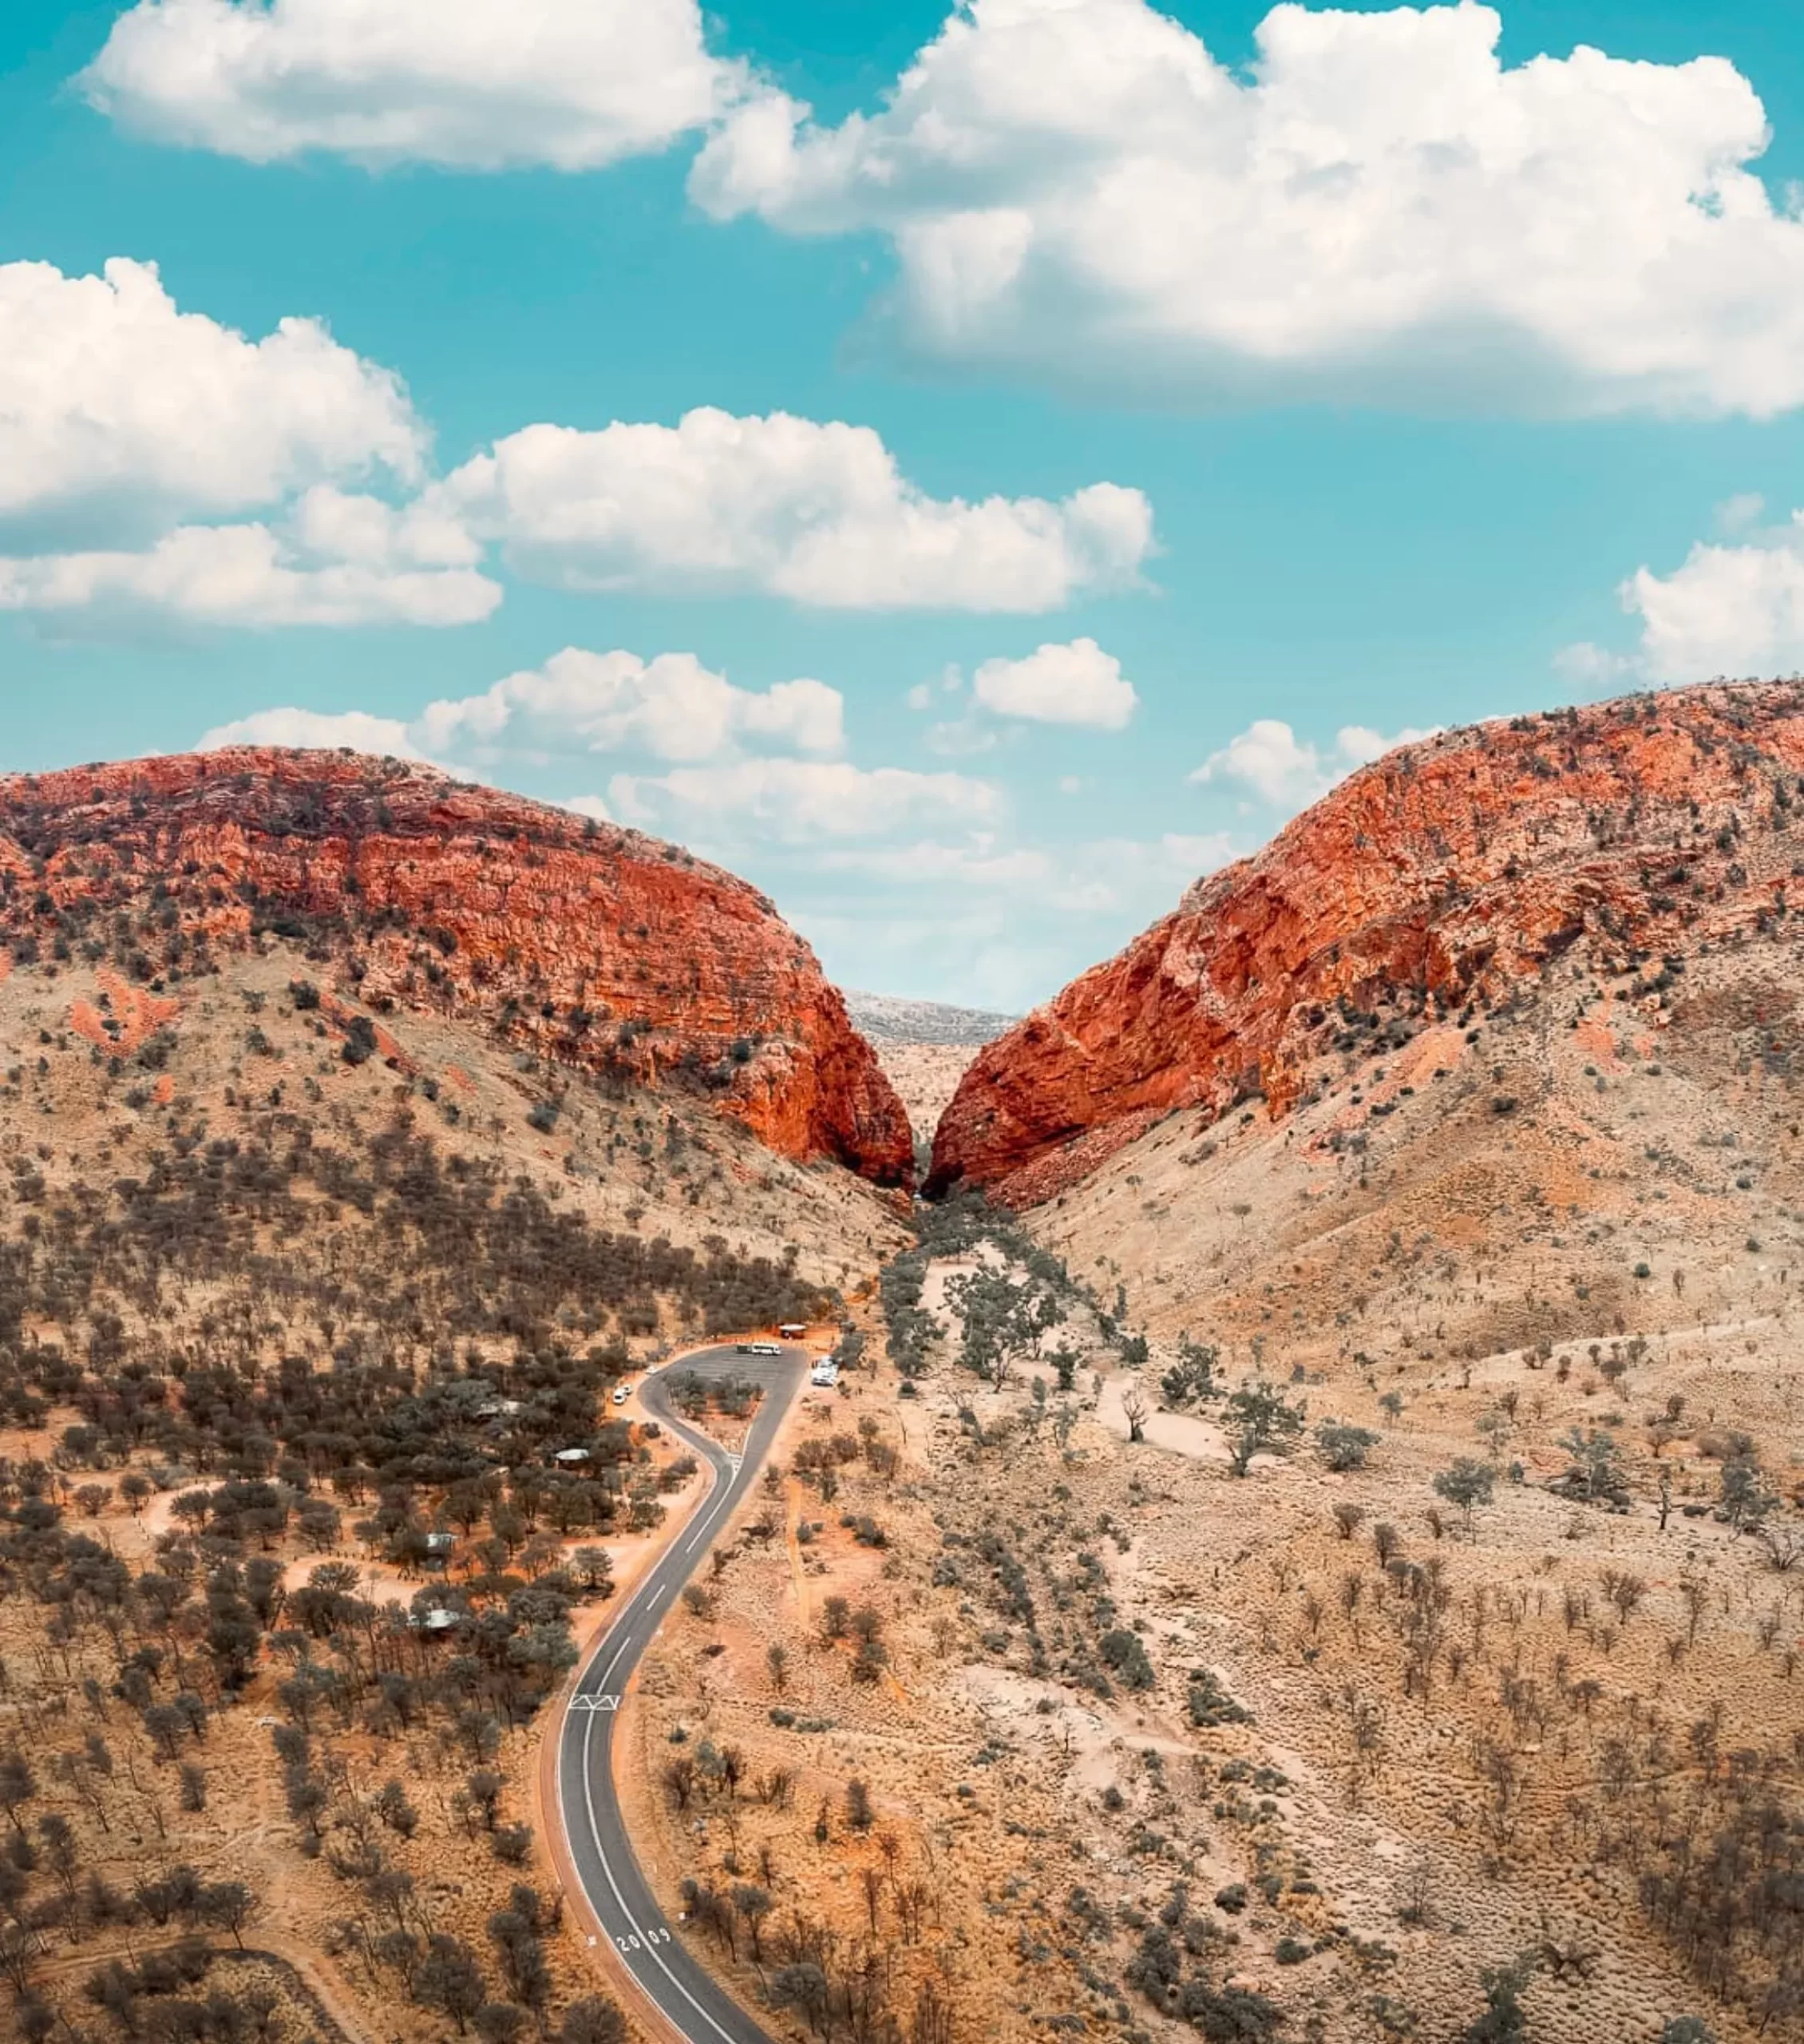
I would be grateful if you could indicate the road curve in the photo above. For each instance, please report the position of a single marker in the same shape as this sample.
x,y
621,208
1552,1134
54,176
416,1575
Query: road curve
x,y
663,1967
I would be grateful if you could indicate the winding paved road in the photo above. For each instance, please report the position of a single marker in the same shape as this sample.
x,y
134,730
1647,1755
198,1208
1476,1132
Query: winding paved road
x,y
663,1966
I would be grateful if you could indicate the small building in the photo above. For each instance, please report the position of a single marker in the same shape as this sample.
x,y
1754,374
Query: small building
x,y
791,1331
434,1623
826,1373
571,1458
439,1547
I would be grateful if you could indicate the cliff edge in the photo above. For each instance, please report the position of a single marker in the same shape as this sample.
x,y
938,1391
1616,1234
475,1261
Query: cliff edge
x,y
1425,886
594,946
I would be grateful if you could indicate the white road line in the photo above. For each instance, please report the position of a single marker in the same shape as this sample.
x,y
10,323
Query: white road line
x,y
727,1470
626,1642
607,1868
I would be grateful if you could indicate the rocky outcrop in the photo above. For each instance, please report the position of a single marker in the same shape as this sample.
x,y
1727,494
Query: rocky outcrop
x,y
591,945
1434,883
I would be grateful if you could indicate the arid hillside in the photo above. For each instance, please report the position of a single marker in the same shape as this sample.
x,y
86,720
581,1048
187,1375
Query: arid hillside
x,y
304,1287
1399,1346
1448,877
1329,1570
886,1018
1371,1533
587,945
1333,1576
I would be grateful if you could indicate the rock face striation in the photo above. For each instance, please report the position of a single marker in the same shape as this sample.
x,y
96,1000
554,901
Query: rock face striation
x,y
1431,885
594,946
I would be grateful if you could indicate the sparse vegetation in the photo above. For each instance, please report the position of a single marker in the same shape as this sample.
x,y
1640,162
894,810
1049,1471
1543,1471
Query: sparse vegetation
x,y
1260,1421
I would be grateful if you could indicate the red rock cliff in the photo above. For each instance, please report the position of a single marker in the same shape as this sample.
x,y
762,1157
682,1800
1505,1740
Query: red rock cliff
x,y
596,946
1431,882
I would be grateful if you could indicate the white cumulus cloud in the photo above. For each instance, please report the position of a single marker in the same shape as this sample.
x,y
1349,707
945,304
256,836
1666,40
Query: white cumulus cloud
x,y
1378,208
114,404
1077,684
1732,607
671,706
240,576
1588,666
1137,878
971,915
318,731
129,426
125,423
467,83
796,800
1270,759
819,513
1725,610
979,865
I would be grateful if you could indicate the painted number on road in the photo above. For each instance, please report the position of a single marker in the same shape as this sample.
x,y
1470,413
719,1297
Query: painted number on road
x,y
651,1938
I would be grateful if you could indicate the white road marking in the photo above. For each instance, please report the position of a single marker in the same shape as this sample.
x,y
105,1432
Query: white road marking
x,y
607,1868
626,1641
722,1501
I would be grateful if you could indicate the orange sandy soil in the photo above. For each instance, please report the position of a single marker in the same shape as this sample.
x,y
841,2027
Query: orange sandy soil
x,y
245,1834
94,1125
1364,1838
228,1048
1462,1282
980,1860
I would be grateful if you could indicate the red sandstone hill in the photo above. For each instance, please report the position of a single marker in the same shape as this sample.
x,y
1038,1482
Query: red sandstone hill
x,y
1428,885
598,947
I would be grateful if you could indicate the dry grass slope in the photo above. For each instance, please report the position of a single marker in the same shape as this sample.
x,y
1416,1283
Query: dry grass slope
x,y
287,1293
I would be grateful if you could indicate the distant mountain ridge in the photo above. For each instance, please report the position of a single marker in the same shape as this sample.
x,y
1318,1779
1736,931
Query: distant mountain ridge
x,y
889,1019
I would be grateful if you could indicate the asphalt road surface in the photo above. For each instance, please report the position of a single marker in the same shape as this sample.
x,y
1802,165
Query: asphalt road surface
x,y
664,1966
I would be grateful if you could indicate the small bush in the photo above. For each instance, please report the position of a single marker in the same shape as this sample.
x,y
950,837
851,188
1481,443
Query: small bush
x,y
1125,1655
1344,1447
1210,1704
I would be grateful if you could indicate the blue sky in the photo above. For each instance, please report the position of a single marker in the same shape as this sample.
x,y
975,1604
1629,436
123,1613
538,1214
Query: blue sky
x,y
1293,388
